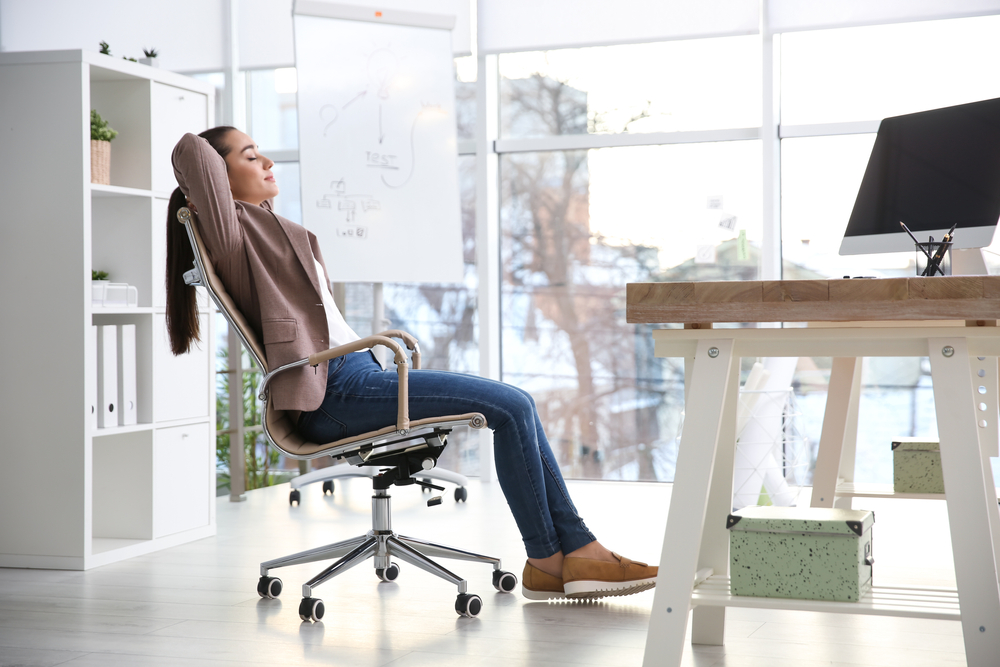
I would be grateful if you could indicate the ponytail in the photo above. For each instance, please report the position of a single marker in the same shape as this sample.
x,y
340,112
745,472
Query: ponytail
x,y
182,304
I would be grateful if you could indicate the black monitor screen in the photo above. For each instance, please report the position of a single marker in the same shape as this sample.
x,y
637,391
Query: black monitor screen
x,y
932,170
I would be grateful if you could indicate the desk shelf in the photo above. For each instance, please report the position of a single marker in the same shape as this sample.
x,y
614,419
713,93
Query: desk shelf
x,y
863,490
911,602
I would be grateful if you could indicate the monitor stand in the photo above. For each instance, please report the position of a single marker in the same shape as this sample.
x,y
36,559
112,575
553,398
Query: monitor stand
x,y
968,262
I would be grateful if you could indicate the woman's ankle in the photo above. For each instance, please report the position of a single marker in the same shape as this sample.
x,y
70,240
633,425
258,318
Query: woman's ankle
x,y
594,551
551,565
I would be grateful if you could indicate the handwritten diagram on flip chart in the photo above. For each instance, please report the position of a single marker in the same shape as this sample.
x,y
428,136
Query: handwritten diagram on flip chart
x,y
377,149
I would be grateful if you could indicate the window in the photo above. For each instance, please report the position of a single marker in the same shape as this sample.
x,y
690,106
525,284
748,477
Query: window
x,y
854,74
273,118
869,73
576,227
663,87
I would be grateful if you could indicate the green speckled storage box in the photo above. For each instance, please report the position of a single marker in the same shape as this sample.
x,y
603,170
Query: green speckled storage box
x,y
809,553
916,466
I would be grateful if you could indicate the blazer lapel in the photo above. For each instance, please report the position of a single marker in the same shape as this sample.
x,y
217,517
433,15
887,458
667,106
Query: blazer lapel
x,y
300,243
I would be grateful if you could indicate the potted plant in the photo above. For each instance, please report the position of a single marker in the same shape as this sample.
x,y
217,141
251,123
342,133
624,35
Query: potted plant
x,y
100,149
98,284
150,58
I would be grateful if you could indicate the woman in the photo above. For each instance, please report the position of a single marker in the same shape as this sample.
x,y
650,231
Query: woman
x,y
274,270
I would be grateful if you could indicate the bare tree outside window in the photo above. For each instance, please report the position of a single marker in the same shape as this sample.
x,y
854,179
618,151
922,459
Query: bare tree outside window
x,y
565,337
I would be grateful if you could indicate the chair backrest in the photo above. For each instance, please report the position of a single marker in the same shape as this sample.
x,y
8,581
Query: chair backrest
x,y
279,425
210,280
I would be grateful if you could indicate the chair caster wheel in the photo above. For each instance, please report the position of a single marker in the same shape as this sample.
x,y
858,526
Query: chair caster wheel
x,y
424,489
504,581
388,574
311,609
468,605
269,587
295,498
328,487
461,494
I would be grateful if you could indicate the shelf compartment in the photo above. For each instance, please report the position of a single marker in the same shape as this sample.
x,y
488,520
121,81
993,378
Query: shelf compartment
x,y
121,242
125,103
143,362
175,396
123,486
911,602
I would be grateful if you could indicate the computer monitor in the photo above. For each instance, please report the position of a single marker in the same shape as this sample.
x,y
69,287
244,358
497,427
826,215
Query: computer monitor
x,y
930,170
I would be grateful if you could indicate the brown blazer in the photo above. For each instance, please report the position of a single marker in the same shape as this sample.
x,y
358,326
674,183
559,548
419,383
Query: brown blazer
x,y
266,263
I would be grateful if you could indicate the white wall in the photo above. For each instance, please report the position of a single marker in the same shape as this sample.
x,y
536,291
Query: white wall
x,y
186,33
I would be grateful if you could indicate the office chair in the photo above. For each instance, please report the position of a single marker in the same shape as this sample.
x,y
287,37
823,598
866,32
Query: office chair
x,y
404,452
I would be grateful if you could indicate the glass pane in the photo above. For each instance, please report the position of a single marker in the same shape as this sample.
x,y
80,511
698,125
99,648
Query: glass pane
x,y
662,87
820,177
896,401
576,226
877,71
273,115
218,80
288,203
465,97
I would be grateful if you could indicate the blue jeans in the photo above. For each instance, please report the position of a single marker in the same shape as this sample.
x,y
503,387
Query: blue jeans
x,y
361,397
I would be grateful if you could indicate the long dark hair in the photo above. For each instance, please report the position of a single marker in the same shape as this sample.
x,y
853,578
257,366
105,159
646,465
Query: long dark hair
x,y
182,305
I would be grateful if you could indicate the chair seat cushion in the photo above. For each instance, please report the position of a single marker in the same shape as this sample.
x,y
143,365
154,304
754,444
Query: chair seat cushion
x,y
281,427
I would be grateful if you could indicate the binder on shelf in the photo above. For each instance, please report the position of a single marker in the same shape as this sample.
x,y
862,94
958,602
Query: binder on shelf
x,y
92,394
107,376
126,375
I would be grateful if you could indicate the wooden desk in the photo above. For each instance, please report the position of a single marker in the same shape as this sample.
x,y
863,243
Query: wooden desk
x,y
696,543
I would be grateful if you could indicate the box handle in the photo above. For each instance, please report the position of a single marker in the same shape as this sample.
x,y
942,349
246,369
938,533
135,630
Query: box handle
x,y
869,559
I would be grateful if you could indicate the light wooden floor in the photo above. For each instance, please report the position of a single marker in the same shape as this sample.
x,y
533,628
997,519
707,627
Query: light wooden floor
x,y
196,604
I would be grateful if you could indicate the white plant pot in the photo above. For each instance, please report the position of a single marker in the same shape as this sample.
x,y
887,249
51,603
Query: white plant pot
x,y
149,61
97,290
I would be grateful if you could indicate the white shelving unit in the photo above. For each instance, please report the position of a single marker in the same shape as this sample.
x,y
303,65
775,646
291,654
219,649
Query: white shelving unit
x,y
74,496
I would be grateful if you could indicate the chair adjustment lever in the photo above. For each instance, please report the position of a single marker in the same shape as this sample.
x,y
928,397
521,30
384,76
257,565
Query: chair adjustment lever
x,y
428,485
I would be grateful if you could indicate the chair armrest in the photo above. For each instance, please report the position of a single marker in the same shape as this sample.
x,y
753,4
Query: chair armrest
x,y
362,343
403,410
408,340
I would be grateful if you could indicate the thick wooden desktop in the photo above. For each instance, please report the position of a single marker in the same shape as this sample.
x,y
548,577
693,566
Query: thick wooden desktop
x,y
950,319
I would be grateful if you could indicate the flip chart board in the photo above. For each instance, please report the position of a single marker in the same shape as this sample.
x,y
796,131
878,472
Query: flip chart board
x,y
377,146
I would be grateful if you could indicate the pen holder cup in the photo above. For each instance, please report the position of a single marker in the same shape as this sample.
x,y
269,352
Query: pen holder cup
x,y
934,258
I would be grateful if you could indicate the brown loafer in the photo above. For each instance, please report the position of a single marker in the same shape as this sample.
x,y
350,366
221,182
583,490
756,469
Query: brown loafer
x,y
589,578
538,585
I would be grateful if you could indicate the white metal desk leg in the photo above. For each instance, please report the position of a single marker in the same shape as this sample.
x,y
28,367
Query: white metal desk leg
x,y
848,456
843,393
708,624
973,537
986,395
712,367
986,398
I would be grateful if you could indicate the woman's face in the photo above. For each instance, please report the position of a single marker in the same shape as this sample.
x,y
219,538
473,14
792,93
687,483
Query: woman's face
x,y
250,177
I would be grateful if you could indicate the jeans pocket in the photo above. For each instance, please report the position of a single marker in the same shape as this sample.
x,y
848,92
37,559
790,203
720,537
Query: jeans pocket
x,y
320,427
